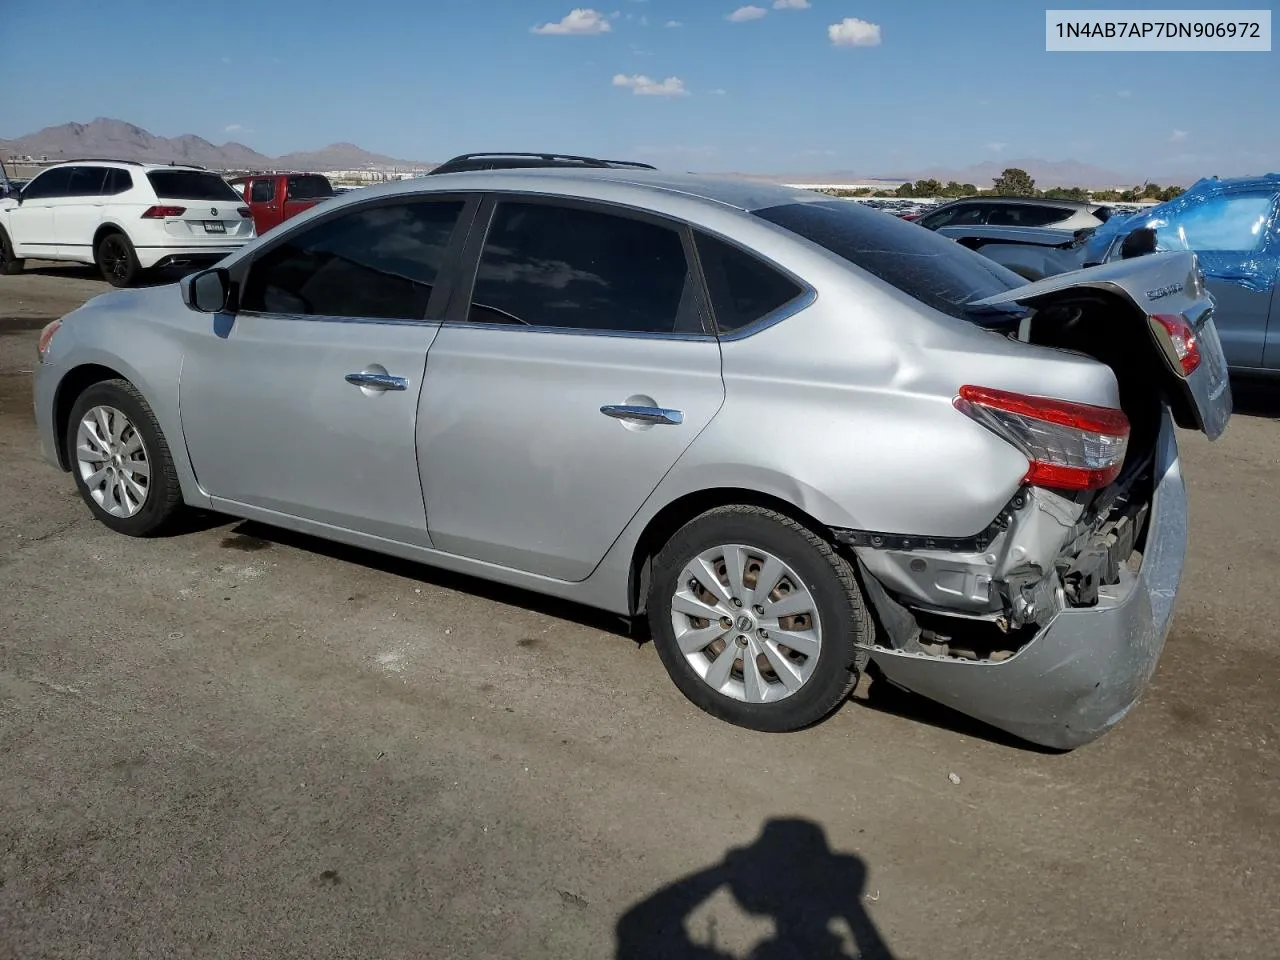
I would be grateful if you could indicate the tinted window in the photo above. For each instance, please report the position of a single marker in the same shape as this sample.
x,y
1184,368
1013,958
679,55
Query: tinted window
x,y
743,288
377,262
51,183
551,266
960,214
933,269
191,185
308,188
117,181
1025,215
85,181
262,191
1232,222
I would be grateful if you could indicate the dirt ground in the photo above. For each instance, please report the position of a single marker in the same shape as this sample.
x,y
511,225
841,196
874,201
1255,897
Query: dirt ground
x,y
244,743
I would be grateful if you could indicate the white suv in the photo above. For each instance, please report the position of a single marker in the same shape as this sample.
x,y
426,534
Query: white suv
x,y
124,217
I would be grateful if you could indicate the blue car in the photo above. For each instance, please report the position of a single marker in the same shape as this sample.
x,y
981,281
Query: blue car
x,y
1234,228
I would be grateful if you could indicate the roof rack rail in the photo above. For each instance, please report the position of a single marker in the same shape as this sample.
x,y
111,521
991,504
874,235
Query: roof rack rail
x,y
549,159
133,163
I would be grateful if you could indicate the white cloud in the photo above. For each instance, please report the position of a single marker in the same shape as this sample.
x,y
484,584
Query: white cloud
x,y
743,14
235,128
996,146
1124,93
673,23
852,32
577,22
645,87
1177,136
719,91
791,4
644,21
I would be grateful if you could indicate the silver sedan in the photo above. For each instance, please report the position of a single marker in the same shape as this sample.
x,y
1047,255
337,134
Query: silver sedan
x,y
804,439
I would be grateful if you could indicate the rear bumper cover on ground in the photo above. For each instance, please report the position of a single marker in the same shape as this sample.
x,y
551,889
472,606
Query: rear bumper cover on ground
x,y
1086,669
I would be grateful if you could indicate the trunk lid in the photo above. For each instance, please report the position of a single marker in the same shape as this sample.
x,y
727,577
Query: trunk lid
x,y
1158,285
210,206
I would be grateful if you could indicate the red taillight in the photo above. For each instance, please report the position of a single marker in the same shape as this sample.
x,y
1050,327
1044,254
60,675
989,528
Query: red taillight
x,y
160,212
245,212
1070,446
46,337
1182,340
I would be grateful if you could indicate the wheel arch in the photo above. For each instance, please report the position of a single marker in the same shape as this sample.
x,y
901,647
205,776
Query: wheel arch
x,y
76,381
105,228
674,515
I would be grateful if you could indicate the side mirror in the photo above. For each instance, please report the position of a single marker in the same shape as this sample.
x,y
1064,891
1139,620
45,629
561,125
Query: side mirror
x,y
207,291
1138,244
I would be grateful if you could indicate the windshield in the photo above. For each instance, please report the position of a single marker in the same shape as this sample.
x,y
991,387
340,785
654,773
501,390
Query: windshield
x,y
191,185
933,269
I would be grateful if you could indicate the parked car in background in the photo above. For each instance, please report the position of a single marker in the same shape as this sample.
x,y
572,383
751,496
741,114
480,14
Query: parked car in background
x,y
1016,212
803,438
123,216
275,197
1234,228
512,161
1030,252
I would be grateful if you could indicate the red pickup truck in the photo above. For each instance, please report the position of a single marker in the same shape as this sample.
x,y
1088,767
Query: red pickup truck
x,y
275,197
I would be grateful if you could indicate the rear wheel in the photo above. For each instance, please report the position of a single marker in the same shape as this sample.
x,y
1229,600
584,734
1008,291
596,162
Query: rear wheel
x,y
758,619
117,260
9,264
121,462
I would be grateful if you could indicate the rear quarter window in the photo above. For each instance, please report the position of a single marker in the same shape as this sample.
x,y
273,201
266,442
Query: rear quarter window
x,y
932,269
743,288
191,185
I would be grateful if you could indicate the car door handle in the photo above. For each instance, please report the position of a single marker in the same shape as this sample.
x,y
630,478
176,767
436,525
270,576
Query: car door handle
x,y
626,411
378,381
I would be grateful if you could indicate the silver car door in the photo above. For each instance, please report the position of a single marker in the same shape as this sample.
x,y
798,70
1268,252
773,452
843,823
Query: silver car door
x,y
578,373
304,402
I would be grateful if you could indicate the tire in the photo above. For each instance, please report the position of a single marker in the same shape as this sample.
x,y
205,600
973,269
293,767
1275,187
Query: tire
x,y
9,264
116,260
142,446
819,681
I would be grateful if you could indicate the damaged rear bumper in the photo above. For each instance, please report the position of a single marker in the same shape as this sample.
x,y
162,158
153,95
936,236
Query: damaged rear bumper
x,y
1085,669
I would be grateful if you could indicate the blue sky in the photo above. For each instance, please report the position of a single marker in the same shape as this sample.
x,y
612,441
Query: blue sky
x,y
944,83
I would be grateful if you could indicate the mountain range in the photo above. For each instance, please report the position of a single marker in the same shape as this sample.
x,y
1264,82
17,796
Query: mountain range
x,y
119,140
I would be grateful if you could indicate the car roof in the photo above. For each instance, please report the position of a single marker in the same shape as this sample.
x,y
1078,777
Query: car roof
x,y
625,184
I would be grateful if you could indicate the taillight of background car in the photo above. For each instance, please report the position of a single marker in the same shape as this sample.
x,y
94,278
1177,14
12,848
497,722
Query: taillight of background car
x,y
1070,446
46,337
160,212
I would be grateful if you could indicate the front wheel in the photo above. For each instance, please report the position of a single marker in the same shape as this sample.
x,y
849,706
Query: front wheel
x,y
122,464
757,619
117,261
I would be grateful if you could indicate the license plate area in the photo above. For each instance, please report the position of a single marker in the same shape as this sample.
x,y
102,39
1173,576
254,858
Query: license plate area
x,y
215,226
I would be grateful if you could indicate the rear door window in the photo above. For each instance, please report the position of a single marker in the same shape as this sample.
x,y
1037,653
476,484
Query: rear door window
x,y
377,262
85,181
308,188
191,185
932,268
1026,215
262,191
743,287
546,265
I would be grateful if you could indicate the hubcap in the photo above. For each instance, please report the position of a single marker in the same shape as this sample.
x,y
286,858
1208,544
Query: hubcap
x,y
113,461
746,623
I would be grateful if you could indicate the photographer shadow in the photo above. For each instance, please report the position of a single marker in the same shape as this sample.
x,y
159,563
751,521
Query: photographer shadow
x,y
789,876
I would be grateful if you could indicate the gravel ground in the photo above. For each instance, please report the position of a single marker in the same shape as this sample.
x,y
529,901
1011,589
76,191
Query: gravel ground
x,y
244,743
